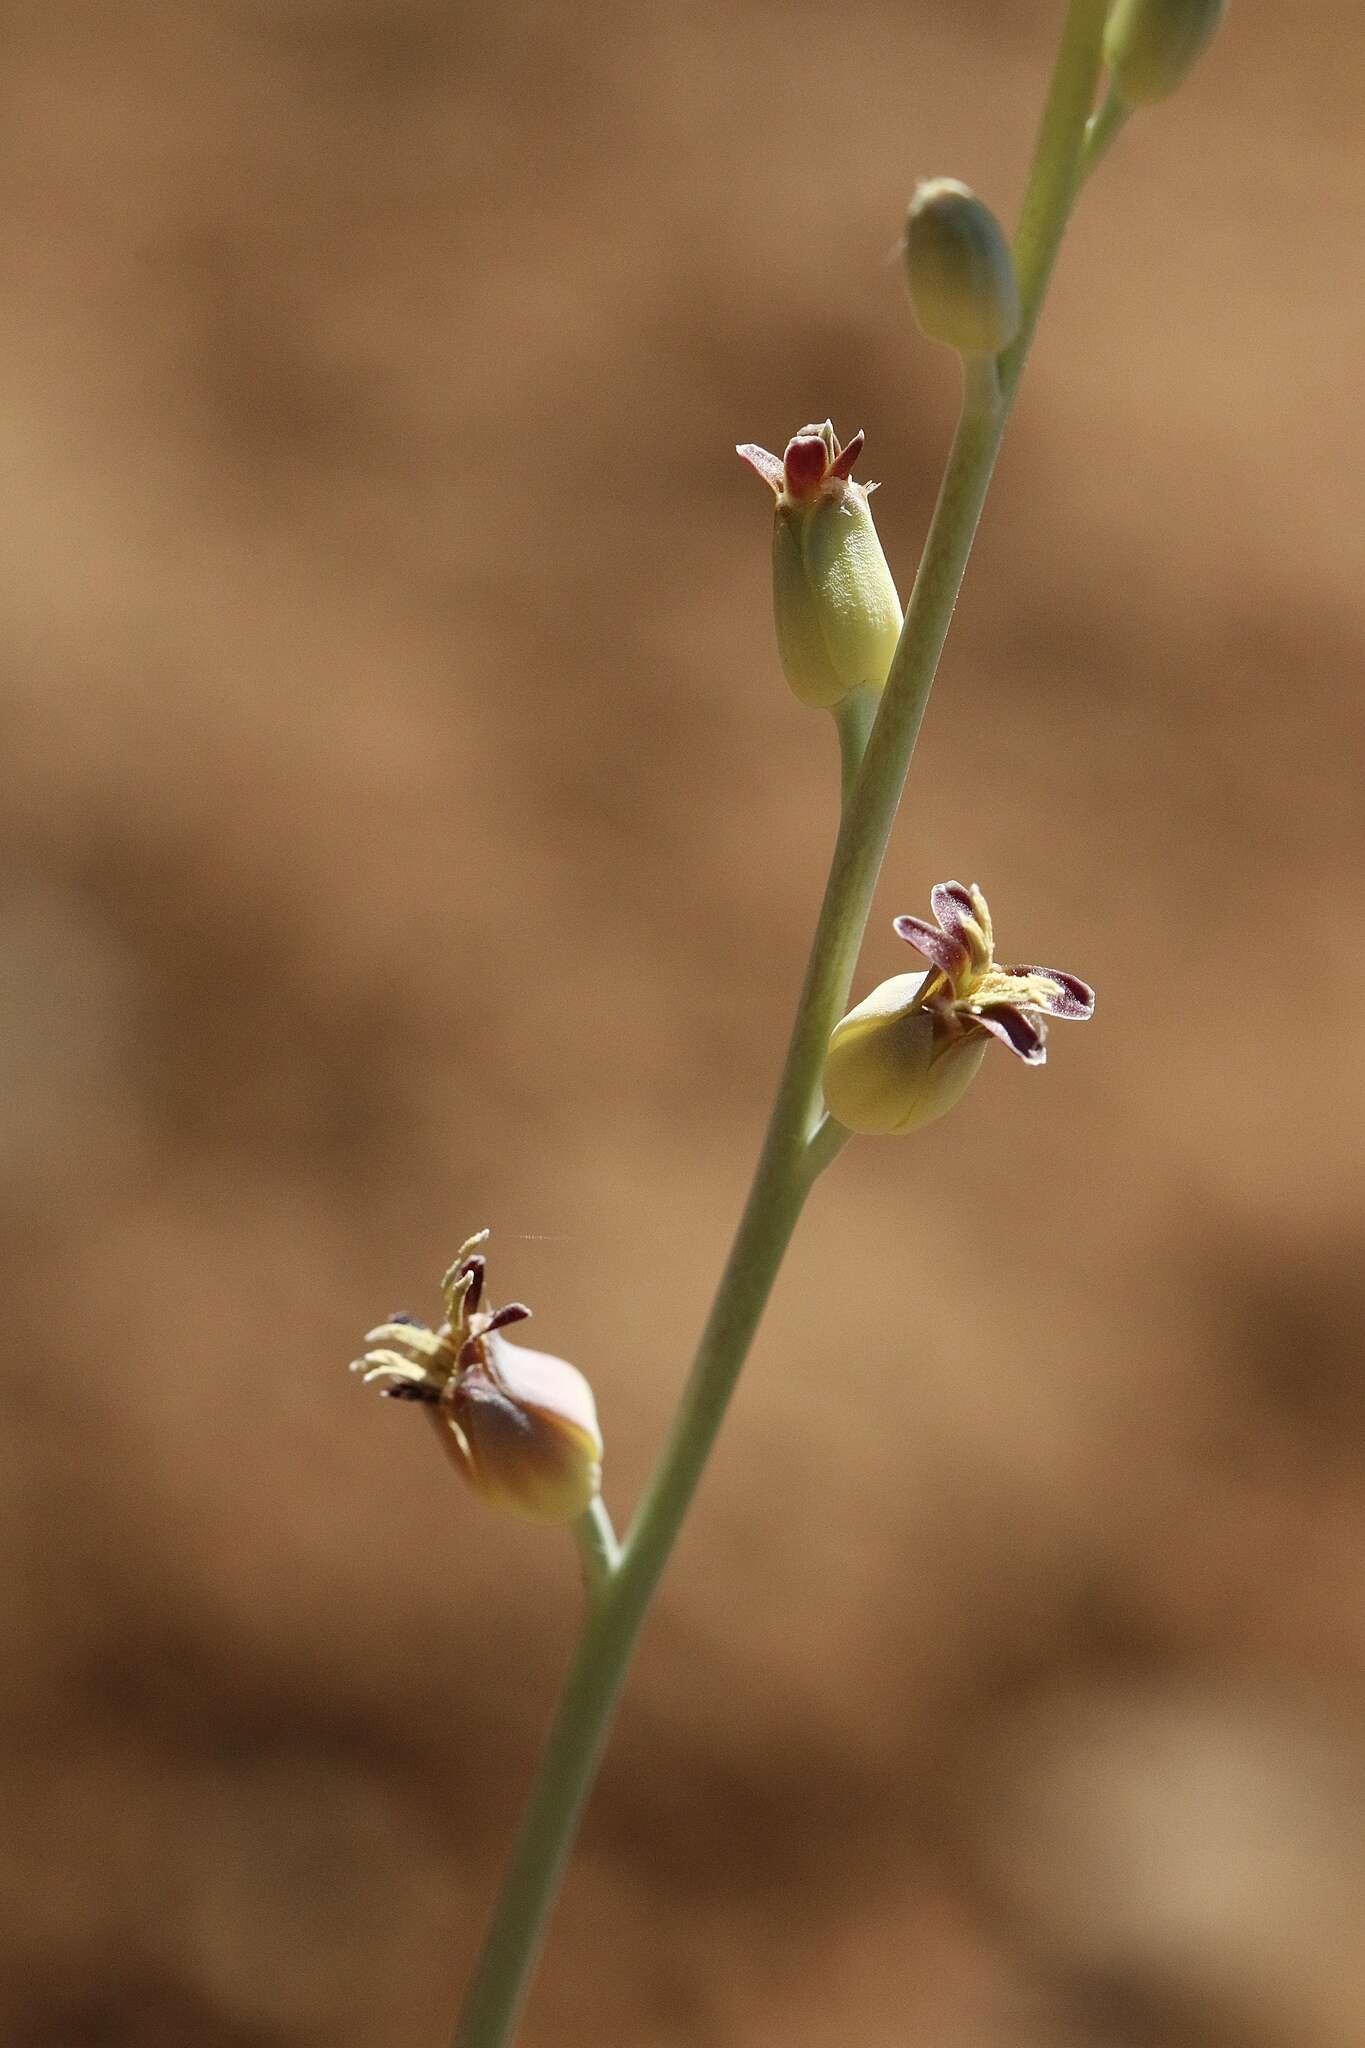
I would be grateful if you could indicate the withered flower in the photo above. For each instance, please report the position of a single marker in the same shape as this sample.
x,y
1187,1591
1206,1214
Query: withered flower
x,y
519,1425
907,1053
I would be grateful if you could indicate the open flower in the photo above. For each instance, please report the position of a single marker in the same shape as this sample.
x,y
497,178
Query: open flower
x,y
835,606
519,1425
908,1052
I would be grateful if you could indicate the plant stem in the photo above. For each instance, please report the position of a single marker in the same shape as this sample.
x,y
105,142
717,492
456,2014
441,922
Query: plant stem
x,y
827,1141
1102,130
1055,176
598,1548
798,1141
853,717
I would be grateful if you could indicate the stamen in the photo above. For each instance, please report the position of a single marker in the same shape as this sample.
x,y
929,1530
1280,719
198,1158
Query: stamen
x,y
454,1288
375,1364
410,1336
471,1244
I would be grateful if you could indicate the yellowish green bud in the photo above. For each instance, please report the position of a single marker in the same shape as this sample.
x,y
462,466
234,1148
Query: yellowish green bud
x,y
959,269
890,1068
1149,45
518,1425
835,606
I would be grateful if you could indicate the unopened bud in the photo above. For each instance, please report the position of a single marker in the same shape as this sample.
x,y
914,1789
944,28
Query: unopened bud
x,y
1149,45
892,1067
835,607
959,269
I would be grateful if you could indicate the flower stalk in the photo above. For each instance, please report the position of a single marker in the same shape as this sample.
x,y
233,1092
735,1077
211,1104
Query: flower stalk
x,y
800,1140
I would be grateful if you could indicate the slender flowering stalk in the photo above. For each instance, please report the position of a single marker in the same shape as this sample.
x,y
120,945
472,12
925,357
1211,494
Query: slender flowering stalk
x,y
799,1141
899,1059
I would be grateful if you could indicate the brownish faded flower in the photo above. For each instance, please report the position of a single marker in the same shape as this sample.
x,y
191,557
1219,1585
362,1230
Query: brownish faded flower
x,y
907,1053
519,1425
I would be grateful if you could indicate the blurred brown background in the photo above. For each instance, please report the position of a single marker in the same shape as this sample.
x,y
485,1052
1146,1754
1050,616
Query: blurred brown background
x,y
407,829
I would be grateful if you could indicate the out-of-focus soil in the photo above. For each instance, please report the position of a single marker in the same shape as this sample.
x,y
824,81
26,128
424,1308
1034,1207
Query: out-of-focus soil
x,y
407,829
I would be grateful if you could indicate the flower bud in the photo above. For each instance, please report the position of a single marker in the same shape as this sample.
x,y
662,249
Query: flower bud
x,y
891,1067
959,269
835,606
1149,45
526,1427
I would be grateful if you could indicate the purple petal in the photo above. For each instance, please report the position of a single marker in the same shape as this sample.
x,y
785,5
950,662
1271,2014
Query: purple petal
x,y
1023,1034
804,464
476,1268
769,467
1077,998
515,1312
844,461
952,905
945,952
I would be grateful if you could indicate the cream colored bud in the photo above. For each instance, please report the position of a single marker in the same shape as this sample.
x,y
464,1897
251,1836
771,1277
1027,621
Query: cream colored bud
x,y
1149,45
835,606
526,1429
860,611
801,645
894,1065
959,270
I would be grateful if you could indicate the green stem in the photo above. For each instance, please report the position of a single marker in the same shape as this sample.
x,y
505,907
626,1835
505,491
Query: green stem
x,y
853,717
1055,176
597,1547
827,1141
799,1142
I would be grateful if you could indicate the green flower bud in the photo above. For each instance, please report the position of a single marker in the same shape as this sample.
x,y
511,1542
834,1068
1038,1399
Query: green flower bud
x,y
891,1067
518,1425
835,606
1149,45
959,269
